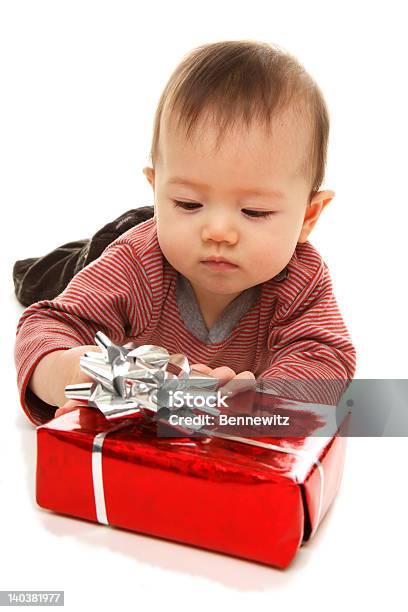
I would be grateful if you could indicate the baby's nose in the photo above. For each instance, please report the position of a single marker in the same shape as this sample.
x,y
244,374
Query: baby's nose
x,y
220,229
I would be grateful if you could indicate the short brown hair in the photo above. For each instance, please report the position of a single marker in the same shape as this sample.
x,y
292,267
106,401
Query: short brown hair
x,y
245,81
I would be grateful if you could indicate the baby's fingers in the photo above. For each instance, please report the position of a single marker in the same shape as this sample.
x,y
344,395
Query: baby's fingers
x,y
68,407
223,373
201,368
244,381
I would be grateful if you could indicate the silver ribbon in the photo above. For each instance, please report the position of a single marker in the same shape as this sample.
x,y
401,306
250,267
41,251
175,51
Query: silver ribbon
x,y
127,380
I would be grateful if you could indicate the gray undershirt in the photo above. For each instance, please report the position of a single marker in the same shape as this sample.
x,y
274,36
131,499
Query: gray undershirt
x,y
221,329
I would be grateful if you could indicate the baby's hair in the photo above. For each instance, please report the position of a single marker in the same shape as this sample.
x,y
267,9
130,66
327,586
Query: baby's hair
x,y
244,81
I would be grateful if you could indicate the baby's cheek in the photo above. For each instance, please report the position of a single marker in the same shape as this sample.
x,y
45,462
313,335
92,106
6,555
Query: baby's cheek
x,y
172,246
274,256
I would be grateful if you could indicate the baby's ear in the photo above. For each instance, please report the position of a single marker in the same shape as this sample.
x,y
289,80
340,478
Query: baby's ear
x,y
318,202
149,174
322,198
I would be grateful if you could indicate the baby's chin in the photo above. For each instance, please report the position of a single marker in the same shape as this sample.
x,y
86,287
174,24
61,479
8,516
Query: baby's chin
x,y
218,285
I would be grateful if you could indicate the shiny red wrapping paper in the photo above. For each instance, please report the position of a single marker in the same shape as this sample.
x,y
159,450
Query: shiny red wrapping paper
x,y
252,502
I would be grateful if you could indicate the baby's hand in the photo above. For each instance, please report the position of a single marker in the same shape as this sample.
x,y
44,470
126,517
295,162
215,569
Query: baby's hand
x,y
231,383
73,375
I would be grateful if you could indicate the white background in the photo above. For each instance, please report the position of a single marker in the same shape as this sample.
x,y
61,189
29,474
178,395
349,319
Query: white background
x,y
79,85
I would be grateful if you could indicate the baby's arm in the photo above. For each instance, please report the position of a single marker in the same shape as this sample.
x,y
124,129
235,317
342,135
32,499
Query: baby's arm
x,y
311,349
112,295
55,371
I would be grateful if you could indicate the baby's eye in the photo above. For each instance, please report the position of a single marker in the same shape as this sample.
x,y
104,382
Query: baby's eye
x,y
186,205
258,213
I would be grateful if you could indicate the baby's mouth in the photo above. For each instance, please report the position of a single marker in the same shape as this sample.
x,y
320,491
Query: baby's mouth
x,y
221,266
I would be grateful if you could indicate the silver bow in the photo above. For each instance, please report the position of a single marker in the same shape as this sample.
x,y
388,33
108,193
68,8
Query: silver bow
x,y
127,379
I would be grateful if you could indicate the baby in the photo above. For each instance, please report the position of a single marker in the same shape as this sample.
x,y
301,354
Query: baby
x,y
224,272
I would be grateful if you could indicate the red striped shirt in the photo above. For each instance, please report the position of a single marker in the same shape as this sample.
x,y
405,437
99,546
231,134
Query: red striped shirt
x,y
293,332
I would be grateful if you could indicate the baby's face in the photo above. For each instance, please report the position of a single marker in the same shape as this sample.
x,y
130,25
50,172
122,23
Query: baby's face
x,y
246,203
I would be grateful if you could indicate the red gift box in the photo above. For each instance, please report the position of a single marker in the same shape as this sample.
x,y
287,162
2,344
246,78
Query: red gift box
x,y
258,499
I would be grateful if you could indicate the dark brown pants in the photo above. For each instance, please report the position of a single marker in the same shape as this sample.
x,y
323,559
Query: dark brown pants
x,y
43,278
